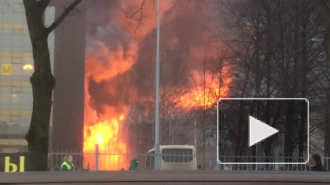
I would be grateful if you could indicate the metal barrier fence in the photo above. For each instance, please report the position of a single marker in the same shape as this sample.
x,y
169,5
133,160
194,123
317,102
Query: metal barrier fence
x,y
106,161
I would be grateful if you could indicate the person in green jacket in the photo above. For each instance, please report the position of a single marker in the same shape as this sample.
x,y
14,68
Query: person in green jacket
x,y
67,165
134,164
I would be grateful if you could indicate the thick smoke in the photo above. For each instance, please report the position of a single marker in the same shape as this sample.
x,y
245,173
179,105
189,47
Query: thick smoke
x,y
121,60
110,51
113,92
100,13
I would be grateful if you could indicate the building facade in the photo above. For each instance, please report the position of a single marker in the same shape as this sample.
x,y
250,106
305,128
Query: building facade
x,y
67,51
16,63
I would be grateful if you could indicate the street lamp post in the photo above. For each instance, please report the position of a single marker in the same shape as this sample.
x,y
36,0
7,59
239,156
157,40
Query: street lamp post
x,y
157,149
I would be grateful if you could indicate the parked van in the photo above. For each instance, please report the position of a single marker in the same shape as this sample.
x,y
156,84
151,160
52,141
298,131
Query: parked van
x,y
174,157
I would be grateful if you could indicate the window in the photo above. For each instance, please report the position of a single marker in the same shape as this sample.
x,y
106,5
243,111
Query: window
x,y
15,89
177,155
18,8
16,31
17,69
5,59
15,118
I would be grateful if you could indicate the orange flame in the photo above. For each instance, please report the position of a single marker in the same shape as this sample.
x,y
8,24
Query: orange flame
x,y
105,134
103,63
107,131
206,93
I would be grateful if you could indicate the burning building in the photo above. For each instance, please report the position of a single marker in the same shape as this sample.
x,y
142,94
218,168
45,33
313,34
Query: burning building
x,y
120,73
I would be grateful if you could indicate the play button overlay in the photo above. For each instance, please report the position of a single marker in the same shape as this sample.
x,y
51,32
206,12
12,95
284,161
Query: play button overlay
x,y
265,131
259,131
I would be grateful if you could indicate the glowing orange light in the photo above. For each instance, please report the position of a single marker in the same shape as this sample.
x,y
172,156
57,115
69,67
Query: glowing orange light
x,y
106,135
200,97
99,139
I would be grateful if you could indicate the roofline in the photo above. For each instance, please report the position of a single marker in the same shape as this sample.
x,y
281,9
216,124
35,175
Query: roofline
x,y
174,146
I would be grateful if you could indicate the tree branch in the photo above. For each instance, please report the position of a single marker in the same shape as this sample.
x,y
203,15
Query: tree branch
x,y
137,11
140,18
44,4
65,13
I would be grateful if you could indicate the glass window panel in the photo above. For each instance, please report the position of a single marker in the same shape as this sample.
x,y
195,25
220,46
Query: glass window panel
x,y
4,126
177,155
25,32
17,31
7,31
16,77
27,60
4,118
27,99
15,118
15,127
5,78
25,119
17,60
4,106
5,98
27,90
5,60
25,127
4,89
26,106
15,98
17,69
15,106
17,41
16,89
18,8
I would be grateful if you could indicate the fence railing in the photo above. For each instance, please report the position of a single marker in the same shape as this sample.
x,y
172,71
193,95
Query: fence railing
x,y
108,161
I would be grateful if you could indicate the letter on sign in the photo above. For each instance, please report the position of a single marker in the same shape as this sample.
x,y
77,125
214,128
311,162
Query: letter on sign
x,y
6,69
11,167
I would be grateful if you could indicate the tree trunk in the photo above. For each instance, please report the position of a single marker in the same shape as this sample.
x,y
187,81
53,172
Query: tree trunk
x,y
38,134
303,112
325,10
204,147
327,129
268,147
42,80
43,84
288,140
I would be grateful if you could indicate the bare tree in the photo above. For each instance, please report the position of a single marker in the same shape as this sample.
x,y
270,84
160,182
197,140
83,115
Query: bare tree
x,y
274,55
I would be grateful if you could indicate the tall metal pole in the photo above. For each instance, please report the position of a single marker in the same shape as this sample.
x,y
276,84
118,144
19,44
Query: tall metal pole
x,y
257,143
157,149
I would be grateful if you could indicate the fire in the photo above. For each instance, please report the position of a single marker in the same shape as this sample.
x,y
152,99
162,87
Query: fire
x,y
112,147
206,93
113,50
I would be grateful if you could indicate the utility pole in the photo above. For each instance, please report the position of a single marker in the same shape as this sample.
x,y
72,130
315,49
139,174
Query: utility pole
x,y
157,149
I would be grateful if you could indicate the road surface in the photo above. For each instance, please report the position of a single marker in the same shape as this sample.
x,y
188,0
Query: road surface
x,y
167,177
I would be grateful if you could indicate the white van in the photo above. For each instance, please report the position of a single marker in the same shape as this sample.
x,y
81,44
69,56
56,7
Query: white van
x,y
174,157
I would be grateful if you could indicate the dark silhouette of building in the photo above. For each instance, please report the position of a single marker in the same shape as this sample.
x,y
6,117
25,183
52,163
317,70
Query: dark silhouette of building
x,y
69,72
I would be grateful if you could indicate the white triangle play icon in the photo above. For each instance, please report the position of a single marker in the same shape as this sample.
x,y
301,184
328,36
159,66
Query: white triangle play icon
x,y
259,131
